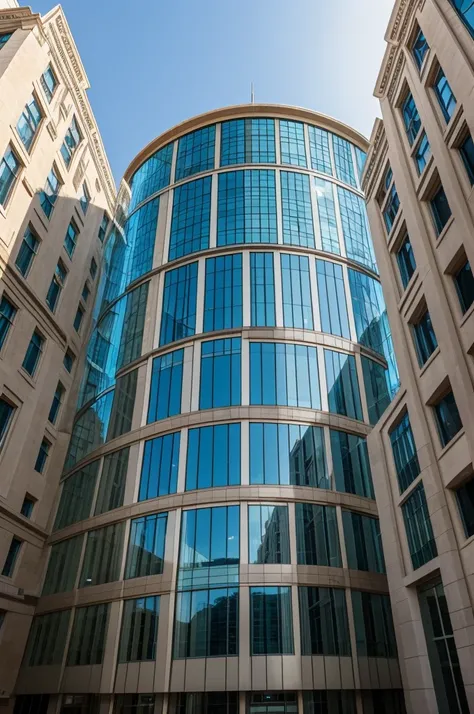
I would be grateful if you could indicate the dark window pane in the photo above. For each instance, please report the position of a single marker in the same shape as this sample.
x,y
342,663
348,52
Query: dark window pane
x,y
464,281
466,150
351,464
139,629
146,547
271,621
418,527
465,497
404,453
363,542
425,338
373,622
342,384
324,624
207,623
317,539
269,537
440,209
444,93
213,456
406,261
448,419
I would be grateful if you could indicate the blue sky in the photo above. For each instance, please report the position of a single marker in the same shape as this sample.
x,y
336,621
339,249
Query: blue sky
x,y
154,63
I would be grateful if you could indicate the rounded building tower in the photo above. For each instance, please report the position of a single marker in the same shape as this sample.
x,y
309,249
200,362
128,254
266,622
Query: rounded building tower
x,y
216,546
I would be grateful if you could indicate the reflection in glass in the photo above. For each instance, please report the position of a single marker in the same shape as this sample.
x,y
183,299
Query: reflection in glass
x,y
262,290
207,623
350,460
166,386
296,291
332,299
284,374
324,625
343,384
375,634
319,150
343,160
297,212
146,547
140,233
292,144
103,555
178,318
139,629
213,458
152,176
246,207
76,496
271,621
317,538
195,152
355,228
363,542
159,475
87,643
47,639
220,373
248,141
269,538
191,218
223,293
112,481
376,388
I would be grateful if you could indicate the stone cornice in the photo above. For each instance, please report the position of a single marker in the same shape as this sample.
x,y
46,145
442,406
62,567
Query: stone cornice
x,y
374,157
21,17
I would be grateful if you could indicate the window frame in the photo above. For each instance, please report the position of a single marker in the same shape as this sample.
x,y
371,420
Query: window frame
x,y
10,320
16,176
33,251
11,418
29,119
46,90
419,56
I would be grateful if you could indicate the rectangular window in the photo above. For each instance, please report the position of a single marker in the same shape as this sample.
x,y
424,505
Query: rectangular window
x,y
284,374
56,403
319,150
220,373
139,629
223,293
343,384
391,207
209,703
33,353
140,235
49,83
9,171
7,316
93,268
76,496
262,290
166,386
31,703
271,621
248,141
466,150
343,159
12,557
361,158
42,457
191,218
327,701
103,555
376,388
131,338
121,413
146,547
50,193
85,198
355,228
351,465
272,702
292,144
28,249
29,122
27,506
421,541
159,476
207,625
152,176
448,419
296,292
178,318
78,319
47,639
284,454
422,153
85,292
363,542
112,481
196,152
465,498
104,224
269,536
210,548
71,142
424,338
317,539
327,216
87,643
213,458
411,118
442,650
444,94
70,239
332,299
4,37
375,634
56,286
404,453
246,207
297,211
134,703
440,209
419,48
324,623
62,566
406,261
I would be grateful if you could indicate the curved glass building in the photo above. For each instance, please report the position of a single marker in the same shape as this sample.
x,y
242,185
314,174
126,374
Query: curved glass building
x,y
216,546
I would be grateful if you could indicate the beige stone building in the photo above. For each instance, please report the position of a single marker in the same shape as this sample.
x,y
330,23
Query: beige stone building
x,y
419,181
56,195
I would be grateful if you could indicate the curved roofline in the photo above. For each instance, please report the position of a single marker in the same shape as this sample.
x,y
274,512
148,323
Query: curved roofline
x,y
237,111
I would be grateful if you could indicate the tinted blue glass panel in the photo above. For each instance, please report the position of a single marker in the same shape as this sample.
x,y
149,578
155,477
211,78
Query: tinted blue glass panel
x,y
406,261
404,453
440,209
7,315
159,475
287,454
166,386
376,388
351,465
178,318
213,457
271,626
422,153
196,152
220,373
146,547
317,538
343,159
419,48
246,207
284,374
49,195
361,157
71,142
446,98
29,122
327,216
411,118
152,176
48,82
332,299
190,222
248,141
27,252
421,540
140,233
391,207
355,229
296,209
319,150
4,37
363,542
343,384
269,537
9,170
33,353
223,293
262,290
424,338
210,547
207,625
292,145
465,10
466,150
296,291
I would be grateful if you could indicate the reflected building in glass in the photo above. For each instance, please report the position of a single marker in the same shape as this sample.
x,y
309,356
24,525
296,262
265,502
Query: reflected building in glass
x,y
216,546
